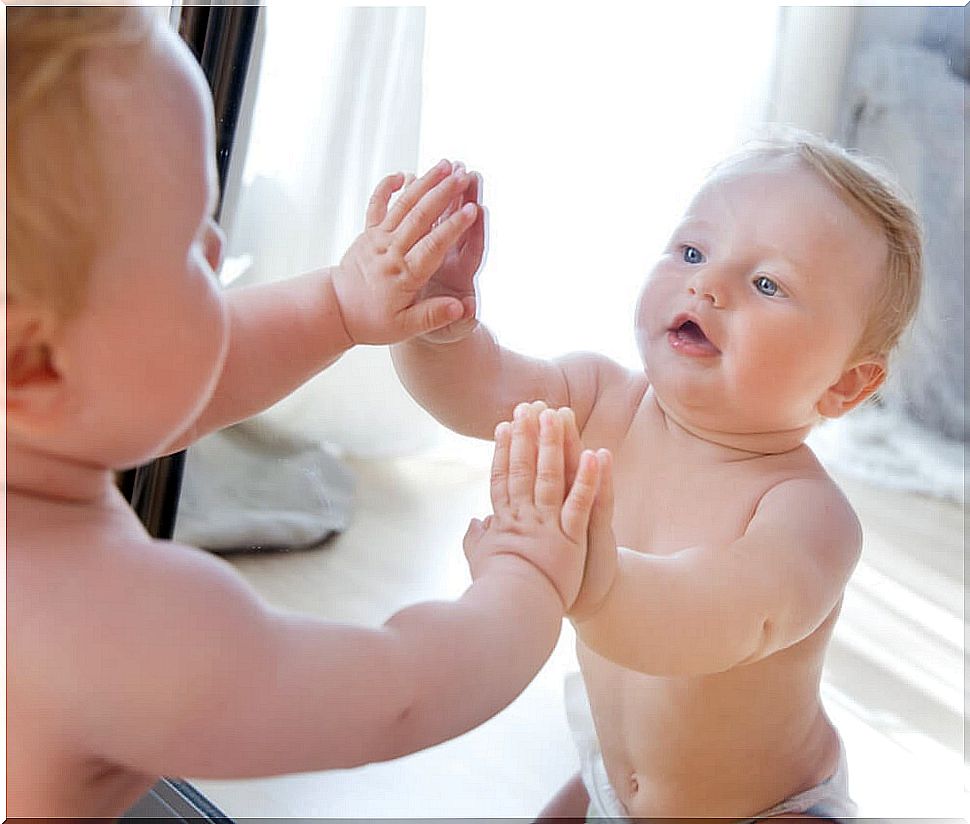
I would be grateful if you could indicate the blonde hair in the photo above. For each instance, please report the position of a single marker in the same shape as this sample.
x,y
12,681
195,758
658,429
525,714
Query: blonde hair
x,y
55,192
872,191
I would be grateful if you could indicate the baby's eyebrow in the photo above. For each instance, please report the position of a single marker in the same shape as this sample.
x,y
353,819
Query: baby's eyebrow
x,y
688,222
782,255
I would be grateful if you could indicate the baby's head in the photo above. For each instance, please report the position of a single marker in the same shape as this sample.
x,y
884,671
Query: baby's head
x,y
110,297
56,196
874,194
783,290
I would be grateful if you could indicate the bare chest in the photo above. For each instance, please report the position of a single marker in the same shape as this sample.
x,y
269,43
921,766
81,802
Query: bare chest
x,y
670,496
663,506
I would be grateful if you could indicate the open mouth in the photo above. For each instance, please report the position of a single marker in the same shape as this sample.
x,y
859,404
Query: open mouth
x,y
687,336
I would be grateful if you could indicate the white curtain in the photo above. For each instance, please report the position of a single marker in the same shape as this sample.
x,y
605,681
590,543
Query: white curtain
x,y
338,106
335,104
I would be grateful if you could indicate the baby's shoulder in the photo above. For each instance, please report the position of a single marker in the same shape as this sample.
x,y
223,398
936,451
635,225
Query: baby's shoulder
x,y
798,475
77,579
811,509
604,395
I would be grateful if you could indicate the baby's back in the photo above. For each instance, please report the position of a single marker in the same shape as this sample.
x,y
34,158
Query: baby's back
x,y
59,601
702,742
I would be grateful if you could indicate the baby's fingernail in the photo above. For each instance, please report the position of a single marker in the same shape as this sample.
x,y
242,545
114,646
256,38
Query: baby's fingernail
x,y
469,209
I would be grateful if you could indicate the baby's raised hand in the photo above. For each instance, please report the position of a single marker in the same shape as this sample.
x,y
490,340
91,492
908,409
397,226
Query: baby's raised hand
x,y
534,516
456,275
379,283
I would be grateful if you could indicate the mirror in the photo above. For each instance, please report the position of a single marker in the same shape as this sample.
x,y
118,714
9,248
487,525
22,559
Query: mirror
x,y
591,128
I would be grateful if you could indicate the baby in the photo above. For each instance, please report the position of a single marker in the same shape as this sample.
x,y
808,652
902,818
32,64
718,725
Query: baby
x,y
701,637
130,658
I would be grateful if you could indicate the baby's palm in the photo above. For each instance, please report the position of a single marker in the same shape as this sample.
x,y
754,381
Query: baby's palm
x,y
455,278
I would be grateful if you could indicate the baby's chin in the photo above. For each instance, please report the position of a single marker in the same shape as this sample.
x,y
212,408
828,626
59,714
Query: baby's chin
x,y
748,430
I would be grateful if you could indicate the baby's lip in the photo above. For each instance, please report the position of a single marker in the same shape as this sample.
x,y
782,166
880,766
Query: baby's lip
x,y
689,323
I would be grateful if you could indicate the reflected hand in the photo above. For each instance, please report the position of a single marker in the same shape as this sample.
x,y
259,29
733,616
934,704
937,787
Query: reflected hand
x,y
601,557
456,275
536,516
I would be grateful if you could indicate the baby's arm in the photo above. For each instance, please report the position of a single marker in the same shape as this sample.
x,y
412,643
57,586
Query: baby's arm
x,y
281,334
461,374
708,608
198,677
472,383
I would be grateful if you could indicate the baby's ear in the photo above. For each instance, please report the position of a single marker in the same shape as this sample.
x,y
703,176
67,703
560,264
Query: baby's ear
x,y
33,381
852,388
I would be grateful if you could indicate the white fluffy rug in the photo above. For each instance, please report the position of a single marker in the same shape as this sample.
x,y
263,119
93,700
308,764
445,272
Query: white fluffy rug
x,y
888,449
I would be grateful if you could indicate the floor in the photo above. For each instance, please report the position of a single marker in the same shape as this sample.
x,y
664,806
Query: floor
x,y
893,684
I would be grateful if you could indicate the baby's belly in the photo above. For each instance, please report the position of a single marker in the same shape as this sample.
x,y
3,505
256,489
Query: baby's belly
x,y
726,744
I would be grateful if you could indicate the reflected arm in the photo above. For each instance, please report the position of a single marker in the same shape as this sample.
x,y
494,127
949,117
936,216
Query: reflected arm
x,y
473,384
711,607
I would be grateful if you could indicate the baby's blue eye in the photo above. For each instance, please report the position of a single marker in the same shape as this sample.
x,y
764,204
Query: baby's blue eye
x,y
766,286
692,254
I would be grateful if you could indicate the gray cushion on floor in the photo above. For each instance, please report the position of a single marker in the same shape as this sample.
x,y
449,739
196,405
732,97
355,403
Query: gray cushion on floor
x,y
248,488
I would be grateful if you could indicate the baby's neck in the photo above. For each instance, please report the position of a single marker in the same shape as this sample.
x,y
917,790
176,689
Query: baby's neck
x,y
42,475
736,445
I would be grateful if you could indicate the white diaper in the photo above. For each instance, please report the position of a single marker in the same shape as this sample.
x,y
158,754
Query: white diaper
x,y
603,801
830,799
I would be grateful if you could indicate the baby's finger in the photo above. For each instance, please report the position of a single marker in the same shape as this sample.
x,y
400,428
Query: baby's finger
x,y
413,193
457,168
550,483
427,254
431,314
499,482
377,206
427,212
573,445
471,247
601,517
522,457
578,506
472,536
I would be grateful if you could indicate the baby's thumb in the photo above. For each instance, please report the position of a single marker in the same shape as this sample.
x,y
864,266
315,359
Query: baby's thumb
x,y
578,507
601,516
472,536
432,314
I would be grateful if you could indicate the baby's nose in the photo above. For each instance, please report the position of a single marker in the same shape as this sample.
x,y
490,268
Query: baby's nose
x,y
708,289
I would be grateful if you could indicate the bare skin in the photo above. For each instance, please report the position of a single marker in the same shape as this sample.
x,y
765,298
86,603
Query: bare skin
x,y
709,599
660,730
